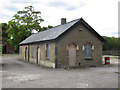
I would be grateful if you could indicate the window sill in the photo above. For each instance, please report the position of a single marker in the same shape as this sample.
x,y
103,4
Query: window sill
x,y
88,58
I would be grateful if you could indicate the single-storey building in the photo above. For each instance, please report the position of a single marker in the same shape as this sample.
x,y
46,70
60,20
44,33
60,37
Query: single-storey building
x,y
71,44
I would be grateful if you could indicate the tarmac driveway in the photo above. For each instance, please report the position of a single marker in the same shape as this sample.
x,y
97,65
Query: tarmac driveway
x,y
20,74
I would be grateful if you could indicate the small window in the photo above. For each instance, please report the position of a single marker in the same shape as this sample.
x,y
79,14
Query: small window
x,y
21,51
32,51
88,51
27,51
47,52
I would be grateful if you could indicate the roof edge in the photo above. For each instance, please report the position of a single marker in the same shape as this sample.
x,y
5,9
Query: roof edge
x,y
92,30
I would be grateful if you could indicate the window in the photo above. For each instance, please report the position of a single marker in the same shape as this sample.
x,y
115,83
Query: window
x,y
88,51
27,51
47,52
21,51
32,51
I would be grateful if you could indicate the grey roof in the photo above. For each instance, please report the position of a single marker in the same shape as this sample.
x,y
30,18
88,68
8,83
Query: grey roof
x,y
49,34
55,32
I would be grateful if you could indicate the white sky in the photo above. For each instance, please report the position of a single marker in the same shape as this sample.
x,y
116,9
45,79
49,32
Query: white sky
x,y
102,15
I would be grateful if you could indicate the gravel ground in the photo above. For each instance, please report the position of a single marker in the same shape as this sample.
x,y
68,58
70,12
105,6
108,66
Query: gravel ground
x,y
20,74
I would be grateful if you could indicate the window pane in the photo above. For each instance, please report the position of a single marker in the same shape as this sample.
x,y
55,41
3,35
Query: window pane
x,y
27,51
21,50
88,51
32,51
47,52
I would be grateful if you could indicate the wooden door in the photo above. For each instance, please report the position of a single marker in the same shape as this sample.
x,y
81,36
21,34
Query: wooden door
x,y
72,55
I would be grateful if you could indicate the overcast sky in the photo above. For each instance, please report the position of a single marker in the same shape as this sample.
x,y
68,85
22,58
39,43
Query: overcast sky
x,y
102,15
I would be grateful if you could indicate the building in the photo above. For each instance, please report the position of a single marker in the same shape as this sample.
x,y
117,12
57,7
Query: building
x,y
71,44
7,49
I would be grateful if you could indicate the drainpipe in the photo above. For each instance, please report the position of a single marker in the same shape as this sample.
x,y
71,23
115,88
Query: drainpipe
x,y
55,56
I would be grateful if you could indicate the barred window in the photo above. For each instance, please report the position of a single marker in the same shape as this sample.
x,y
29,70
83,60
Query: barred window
x,y
32,51
88,51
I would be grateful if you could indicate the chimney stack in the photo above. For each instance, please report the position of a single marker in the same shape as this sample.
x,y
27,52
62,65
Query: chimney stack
x,y
63,20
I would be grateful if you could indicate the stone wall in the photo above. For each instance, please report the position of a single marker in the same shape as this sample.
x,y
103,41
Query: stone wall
x,y
79,38
22,49
43,61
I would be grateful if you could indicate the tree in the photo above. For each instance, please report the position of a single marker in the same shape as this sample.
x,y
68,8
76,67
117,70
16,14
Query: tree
x,y
0,39
23,25
5,37
111,43
0,34
45,28
30,18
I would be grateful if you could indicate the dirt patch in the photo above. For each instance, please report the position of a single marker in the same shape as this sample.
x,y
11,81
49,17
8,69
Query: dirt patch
x,y
24,77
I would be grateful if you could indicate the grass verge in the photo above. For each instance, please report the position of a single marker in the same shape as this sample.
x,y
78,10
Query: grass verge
x,y
9,55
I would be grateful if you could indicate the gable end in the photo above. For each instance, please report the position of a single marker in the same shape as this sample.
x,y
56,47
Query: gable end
x,y
92,30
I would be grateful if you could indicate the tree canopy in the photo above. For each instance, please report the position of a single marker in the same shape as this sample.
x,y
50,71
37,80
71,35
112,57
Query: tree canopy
x,y
111,43
30,18
23,25
4,35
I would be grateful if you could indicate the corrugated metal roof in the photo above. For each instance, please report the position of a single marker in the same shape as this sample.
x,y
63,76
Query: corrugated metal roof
x,y
49,34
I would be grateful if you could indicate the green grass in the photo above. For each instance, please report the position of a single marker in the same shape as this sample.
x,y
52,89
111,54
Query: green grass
x,y
117,72
9,55
111,57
